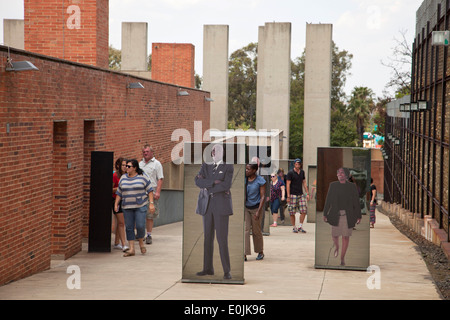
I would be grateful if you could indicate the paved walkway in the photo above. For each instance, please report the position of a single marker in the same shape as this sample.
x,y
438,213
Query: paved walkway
x,y
286,273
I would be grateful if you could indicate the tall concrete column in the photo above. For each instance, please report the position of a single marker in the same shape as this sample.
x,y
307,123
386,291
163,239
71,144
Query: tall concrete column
x,y
135,48
318,68
260,80
274,75
215,72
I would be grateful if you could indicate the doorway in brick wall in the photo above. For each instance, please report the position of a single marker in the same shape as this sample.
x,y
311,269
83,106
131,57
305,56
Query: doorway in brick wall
x,y
60,205
88,147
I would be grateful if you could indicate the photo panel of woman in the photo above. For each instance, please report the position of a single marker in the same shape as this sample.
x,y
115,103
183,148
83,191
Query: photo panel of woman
x,y
342,222
213,214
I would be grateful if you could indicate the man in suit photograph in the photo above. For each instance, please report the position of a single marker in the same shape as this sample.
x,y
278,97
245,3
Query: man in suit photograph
x,y
215,206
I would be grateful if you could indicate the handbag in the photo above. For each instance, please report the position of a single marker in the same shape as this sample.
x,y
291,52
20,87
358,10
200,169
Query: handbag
x,y
202,202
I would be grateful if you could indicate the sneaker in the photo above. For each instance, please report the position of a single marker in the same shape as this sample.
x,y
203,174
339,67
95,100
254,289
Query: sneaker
x,y
294,230
260,256
148,240
301,230
126,248
118,246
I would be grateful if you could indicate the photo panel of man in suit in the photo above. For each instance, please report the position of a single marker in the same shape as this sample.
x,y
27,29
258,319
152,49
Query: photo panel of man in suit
x,y
212,245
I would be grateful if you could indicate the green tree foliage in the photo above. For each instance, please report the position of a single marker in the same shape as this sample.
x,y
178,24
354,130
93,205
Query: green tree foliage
x,y
343,131
360,105
297,109
242,86
115,58
242,97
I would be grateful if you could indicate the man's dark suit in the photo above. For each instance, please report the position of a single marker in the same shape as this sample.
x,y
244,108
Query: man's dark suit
x,y
219,208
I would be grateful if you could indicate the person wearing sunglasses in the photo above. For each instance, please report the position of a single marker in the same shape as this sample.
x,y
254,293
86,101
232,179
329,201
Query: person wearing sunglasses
x,y
277,195
136,194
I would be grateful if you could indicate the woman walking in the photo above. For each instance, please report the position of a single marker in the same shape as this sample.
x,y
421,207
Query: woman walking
x,y
136,195
254,209
277,195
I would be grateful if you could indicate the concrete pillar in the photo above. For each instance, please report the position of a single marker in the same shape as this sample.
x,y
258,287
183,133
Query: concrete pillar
x,y
317,118
134,48
215,72
13,33
260,80
273,110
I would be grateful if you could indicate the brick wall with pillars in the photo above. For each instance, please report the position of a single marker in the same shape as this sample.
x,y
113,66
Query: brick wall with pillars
x,y
50,121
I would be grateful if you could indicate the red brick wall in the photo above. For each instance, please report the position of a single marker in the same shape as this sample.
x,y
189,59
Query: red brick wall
x,y
56,116
75,30
174,63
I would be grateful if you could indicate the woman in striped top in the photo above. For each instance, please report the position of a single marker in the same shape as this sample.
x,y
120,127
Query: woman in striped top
x,y
136,195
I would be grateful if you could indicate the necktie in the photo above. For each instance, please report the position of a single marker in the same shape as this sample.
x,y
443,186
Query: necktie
x,y
215,168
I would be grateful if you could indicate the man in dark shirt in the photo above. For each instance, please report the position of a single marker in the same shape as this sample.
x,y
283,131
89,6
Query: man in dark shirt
x,y
295,182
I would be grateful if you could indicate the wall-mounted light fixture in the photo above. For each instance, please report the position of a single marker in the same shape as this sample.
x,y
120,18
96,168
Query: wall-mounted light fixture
x,y
424,105
20,66
407,107
440,38
182,93
135,85
414,106
209,99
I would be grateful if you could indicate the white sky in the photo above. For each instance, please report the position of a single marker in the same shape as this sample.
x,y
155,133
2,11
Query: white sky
x,y
364,28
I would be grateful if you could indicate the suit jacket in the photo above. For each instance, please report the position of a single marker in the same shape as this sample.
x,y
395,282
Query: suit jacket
x,y
342,197
217,185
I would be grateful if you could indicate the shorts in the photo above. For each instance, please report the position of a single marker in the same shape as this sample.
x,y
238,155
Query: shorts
x,y
156,213
275,205
120,206
297,203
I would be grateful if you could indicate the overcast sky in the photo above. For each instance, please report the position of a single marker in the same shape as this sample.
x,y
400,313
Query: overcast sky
x,y
364,28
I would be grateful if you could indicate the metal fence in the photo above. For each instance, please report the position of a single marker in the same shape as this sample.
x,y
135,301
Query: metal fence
x,y
417,148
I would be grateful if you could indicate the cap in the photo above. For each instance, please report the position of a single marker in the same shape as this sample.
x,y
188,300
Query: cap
x,y
298,160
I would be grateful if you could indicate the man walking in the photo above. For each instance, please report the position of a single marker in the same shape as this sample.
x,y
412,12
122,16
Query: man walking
x,y
295,182
153,169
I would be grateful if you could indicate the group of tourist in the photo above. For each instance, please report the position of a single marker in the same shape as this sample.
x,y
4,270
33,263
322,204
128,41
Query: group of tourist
x,y
136,191
289,190
137,188
342,209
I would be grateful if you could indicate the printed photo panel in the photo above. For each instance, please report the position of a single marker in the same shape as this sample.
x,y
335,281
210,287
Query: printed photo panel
x,y
342,215
213,237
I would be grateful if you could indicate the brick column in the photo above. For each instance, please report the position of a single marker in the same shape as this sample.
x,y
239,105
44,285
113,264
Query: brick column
x,y
68,29
174,63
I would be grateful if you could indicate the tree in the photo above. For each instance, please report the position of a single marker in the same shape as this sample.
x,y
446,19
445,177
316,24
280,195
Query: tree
x,y
343,128
342,133
360,105
400,63
342,63
115,58
242,86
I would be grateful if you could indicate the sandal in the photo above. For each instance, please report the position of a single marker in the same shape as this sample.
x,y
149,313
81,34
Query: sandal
x,y
128,254
143,250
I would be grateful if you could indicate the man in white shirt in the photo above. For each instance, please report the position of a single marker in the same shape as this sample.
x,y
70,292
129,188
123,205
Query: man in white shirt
x,y
153,169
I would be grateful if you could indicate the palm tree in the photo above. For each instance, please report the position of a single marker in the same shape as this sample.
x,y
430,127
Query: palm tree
x,y
360,106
